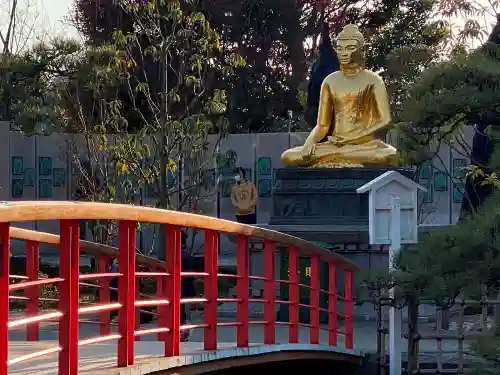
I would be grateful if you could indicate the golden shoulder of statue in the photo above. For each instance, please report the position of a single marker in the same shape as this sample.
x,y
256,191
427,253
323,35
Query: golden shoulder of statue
x,y
358,99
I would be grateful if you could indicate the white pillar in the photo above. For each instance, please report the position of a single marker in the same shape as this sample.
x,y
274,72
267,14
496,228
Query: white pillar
x,y
395,315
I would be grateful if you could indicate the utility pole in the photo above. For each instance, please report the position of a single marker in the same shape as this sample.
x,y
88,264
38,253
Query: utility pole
x,y
163,142
290,116
395,314
180,178
164,136
217,187
217,180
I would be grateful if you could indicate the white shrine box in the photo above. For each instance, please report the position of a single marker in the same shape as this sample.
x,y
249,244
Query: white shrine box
x,y
381,191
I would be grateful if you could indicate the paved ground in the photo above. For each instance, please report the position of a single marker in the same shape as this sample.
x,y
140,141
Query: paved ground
x,y
102,356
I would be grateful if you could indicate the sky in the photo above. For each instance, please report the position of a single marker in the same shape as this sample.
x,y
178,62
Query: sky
x,y
52,16
38,19
57,13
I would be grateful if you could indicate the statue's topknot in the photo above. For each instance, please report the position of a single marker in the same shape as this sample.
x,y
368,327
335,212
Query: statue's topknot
x,y
351,32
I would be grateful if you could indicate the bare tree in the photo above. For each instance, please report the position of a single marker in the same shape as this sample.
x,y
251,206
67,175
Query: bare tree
x,y
21,22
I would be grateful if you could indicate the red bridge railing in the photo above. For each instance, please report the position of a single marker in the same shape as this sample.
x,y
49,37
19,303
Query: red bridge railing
x,y
168,279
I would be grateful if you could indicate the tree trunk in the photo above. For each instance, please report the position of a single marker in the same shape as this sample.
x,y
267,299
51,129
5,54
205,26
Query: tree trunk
x,y
413,335
445,320
496,315
297,58
163,190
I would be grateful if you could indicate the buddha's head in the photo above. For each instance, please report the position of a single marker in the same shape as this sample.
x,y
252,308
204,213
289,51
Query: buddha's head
x,y
350,47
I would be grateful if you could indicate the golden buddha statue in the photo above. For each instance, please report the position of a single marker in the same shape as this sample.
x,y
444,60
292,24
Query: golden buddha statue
x,y
359,99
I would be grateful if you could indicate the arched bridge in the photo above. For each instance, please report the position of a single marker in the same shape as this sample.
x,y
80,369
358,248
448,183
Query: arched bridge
x,y
80,337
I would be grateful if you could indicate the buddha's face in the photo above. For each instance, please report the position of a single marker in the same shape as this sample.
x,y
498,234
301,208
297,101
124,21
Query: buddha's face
x,y
348,51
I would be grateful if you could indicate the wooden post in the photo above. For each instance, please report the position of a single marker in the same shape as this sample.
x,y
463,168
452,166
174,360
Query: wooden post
x,y
69,270
314,299
32,268
211,288
242,284
126,292
293,267
349,310
172,289
332,304
269,292
4,296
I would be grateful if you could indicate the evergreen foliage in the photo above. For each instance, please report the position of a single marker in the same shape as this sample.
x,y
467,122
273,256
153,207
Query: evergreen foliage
x,y
278,39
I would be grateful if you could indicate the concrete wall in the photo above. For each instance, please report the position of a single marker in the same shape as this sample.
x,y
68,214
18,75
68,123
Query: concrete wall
x,y
37,168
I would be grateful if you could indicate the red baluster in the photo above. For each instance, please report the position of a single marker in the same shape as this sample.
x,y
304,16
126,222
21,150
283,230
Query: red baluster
x,y
332,304
314,299
349,310
4,296
69,270
172,290
211,288
126,292
137,309
162,323
32,267
293,276
104,295
269,292
242,285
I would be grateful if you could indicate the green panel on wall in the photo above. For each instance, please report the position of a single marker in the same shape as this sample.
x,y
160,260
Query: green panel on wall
x,y
427,196
264,187
426,171
59,177
264,165
229,159
45,188
17,167
458,193
29,177
459,167
440,181
17,188
45,166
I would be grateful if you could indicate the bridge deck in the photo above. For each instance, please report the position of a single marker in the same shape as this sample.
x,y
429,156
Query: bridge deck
x,y
98,358
101,358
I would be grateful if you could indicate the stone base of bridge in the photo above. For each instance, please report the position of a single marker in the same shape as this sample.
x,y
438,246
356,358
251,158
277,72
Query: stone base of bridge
x,y
100,359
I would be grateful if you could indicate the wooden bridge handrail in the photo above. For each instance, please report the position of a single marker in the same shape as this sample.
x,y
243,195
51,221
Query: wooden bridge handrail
x,y
85,246
64,210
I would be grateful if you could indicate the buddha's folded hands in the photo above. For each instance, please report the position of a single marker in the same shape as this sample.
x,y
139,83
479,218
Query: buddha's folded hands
x,y
336,140
339,140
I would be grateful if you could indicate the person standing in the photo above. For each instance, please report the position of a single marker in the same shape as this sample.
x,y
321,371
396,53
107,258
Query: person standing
x,y
244,198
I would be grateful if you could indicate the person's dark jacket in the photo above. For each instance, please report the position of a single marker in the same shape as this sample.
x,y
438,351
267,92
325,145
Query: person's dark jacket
x,y
187,283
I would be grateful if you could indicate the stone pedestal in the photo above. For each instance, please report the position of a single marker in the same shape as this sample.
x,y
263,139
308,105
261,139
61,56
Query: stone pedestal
x,y
322,197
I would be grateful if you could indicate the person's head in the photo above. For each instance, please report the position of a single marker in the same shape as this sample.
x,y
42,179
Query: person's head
x,y
350,47
239,174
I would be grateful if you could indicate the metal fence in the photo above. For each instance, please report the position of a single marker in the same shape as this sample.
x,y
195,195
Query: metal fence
x,y
440,343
